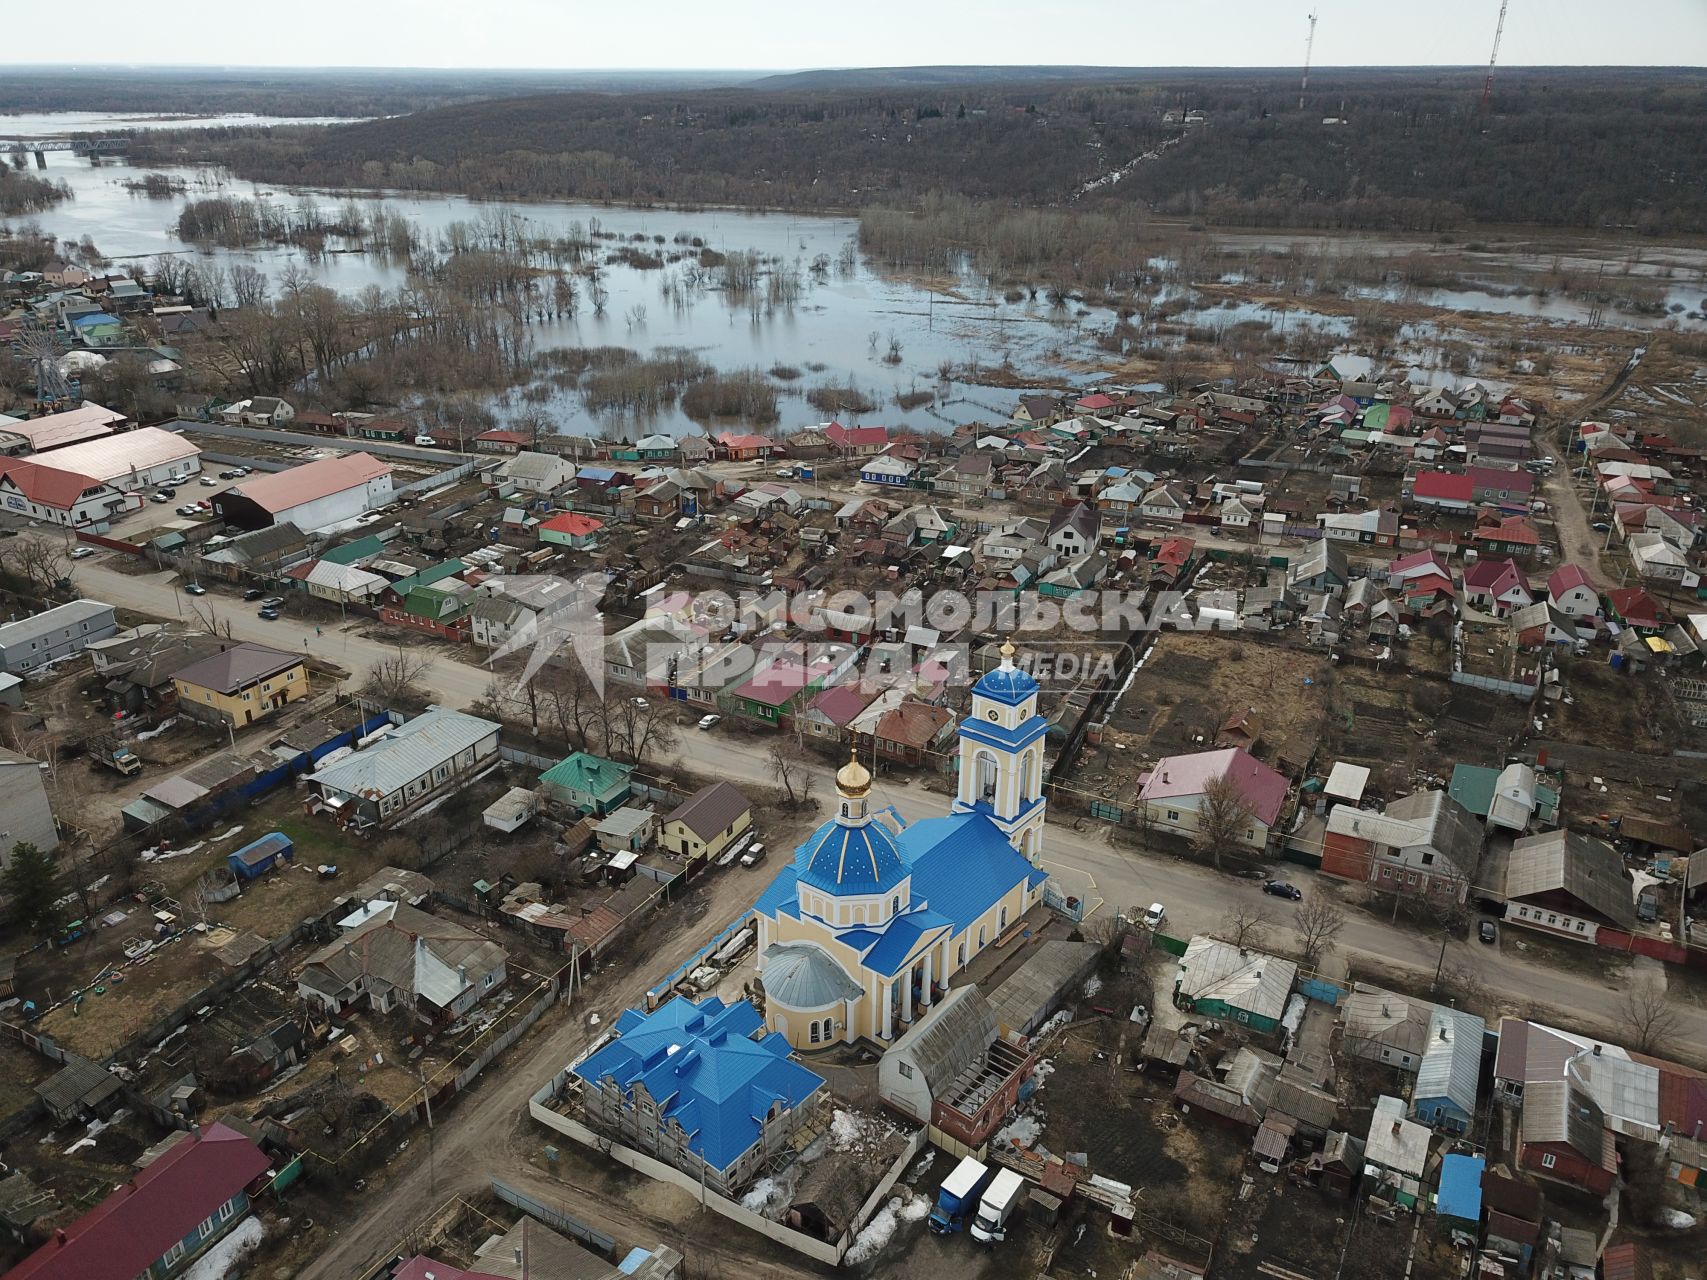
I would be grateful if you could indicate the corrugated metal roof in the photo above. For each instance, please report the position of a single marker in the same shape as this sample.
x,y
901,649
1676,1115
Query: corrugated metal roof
x,y
286,489
411,750
1452,1059
1247,980
1586,869
114,458
42,624
1395,1142
954,1036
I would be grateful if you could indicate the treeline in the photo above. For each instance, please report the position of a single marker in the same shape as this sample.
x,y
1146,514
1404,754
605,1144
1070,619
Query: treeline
x,y
1562,147
240,224
22,192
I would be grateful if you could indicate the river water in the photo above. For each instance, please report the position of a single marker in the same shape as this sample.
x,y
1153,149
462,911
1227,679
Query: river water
x,y
839,331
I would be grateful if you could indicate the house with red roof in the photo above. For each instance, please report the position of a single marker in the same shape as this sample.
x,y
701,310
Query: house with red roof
x,y
914,733
571,529
1573,592
1096,402
1498,484
737,446
1445,490
1496,586
828,715
856,441
1418,564
1431,445
501,441
1512,536
68,498
162,1219
1173,793
1635,608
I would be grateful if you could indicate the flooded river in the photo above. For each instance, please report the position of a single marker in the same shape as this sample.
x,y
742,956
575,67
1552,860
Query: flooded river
x,y
848,323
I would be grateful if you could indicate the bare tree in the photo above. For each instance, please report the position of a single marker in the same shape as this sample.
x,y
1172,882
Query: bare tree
x,y
399,680
637,726
1246,926
1466,988
38,562
791,768
574,703
1647,1016
209,621
1316,927
1223,818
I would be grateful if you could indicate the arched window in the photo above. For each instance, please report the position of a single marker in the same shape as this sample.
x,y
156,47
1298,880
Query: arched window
x,y
1025,764
1004,919
829,1030
980,937
985,770
814,1031
895,905
960,957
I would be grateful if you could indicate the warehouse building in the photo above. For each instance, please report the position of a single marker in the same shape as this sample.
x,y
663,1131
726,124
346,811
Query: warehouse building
x,y
57,430
315,496
134,460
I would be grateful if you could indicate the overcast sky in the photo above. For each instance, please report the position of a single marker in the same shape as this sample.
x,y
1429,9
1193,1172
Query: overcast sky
x,y
785,34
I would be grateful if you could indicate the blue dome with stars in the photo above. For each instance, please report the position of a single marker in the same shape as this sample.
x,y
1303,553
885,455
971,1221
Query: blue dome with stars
x,y
844,859
1006,683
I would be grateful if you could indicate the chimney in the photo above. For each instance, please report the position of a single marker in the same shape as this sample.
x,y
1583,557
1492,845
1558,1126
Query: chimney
x,y
1597,1051
1443,1034
1397,1125
195,1129
59,1235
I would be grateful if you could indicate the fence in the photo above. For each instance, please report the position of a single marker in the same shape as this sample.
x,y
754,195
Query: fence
x,y
519,1028
825,1251
1173,946
1489,684
594,1240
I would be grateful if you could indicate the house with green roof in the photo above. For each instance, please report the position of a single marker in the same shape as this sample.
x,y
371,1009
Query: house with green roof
x,y
432,601
588,783
351,552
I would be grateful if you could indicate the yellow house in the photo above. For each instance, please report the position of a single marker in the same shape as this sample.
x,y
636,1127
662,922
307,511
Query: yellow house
x,y
241,685
707,822
874,916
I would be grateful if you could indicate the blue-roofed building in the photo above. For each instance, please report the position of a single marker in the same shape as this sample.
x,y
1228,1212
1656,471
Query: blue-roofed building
x,y
702,1086
1460,1193
863,930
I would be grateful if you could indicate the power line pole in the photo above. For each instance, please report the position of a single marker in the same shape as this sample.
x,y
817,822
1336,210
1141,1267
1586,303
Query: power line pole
x,y
1309,48
1488,84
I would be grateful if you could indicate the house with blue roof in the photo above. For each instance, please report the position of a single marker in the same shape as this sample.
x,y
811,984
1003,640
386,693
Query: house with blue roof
x,y
863,930
703,1087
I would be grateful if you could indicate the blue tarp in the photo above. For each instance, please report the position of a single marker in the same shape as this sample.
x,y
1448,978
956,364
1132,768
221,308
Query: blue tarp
x,y
259,856
1460,1194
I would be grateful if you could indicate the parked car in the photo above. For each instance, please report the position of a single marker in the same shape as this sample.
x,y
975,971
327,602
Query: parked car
x,y
185,509
272,602
710,722
1487,932
754,855
229,474
208,482
254,593
268,615
161,498
171,491
1154,917
1280,889
195,589
82,553
1600,526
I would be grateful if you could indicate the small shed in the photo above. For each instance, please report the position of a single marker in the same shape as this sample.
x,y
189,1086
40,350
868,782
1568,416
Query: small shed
x,y
511,811
261,856
80,1088
11,689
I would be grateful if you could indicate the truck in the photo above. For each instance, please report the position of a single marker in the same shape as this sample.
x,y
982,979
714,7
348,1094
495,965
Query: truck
x,y
109,749
1000,1200
958,1195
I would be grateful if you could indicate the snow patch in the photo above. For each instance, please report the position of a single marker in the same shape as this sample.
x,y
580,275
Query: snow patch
x,y
1057,1020
1093,984
884,1224
857,1132
1022,1131
1045,1068
760,1197
218,1262
1677,1219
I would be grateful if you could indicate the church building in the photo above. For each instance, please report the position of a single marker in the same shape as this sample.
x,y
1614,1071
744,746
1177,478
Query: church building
x,y
874,916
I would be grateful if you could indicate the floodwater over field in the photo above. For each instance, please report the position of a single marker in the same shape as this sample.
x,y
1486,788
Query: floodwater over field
x,y
62,124
851,323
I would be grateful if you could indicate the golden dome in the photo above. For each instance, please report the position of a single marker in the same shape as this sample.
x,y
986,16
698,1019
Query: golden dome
x,y
853,779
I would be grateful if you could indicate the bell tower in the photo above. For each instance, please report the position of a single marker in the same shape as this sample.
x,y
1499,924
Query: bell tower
x,y
1001,755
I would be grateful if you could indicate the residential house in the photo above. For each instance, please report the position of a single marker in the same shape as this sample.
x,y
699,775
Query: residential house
x,y
888,470
263,553
1572,592
659,500
1497,586
1079,574
342,584
736,446
436,751
1510,536
495,616
1630,606
240,685
501,441
1321,567
136,665
541,474
392,956
1395,1154
1419,564
704,825
1040,409
258,411
588,783
1173,792
856,442
967,477
1501,485
1656,559
1443,490
914,733
1383,1026
1165,502
1073,531
701,1087
626,830
1219,980
60,632
1239,512
1567,884
828,715
572,530
162,1218
1541,624
1424,844
439,608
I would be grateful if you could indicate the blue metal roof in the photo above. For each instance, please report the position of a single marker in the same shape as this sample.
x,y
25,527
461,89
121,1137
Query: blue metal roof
x,y
963,864
1028,732
1460,1194
704,1068
902,938
850,859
